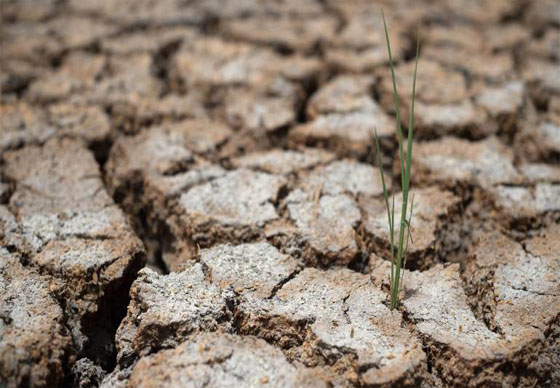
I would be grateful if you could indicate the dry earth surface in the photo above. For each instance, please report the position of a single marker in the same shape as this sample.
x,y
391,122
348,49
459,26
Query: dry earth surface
x,y
188,196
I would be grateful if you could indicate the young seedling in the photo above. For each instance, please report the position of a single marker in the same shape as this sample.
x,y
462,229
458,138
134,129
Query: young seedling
x,y
398,258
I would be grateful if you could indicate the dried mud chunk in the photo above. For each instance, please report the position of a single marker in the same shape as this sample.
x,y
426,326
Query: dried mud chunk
x,y
46,41
77,74
283,161
288,8
344,94
160,188
23,124
442,97
197,135
345,117
29,42
451,118
166,309
540,140
341,322
156,150
68,226
234,207
431,207
222,360
96,262
140,41
487,12
546,47
347,134
325,225
207,205
142,13
77,31
399,359
28,11
209,62
546,245
459,36
311,294
554,108
438,85
59,194
34,343
436,302
518,202
17,74
485,67
360,45
452,160
344,177
540,172
240,198
543,80
517,288
505,100
87,374
202,135
166,149
174,107
135,98
301,34
253,270
443,103
525,296
130,89
10,231
543,14
128,79
87,122
506,36
257,110
149,172
323,197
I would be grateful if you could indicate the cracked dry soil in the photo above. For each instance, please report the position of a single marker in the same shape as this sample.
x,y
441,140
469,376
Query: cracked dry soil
x,y
188,199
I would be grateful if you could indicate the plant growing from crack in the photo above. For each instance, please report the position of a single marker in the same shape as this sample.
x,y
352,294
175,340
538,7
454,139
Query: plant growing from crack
x,y
398,258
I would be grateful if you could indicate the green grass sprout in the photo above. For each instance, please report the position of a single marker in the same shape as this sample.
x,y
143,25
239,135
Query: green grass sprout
x,y
398,260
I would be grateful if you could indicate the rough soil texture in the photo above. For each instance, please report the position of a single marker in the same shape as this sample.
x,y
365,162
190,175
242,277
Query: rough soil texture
x,y
188,196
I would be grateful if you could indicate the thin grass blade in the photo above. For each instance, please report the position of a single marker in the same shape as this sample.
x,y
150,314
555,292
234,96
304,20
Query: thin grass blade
x,y
409,155
386,197
411,119
405,172
395,95
409,237
392,226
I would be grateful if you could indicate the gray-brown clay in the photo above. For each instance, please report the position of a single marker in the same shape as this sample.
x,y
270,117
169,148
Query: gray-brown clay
x,y
188,194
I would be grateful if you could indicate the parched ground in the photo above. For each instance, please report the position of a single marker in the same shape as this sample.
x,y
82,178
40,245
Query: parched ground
x,y
188,196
